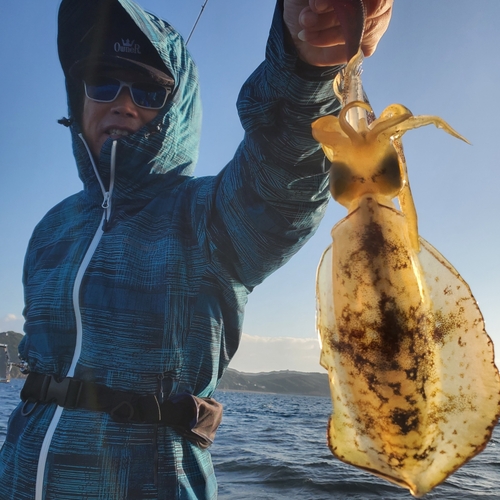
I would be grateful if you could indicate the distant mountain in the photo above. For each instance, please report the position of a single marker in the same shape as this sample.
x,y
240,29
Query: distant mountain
x,y
12,340
282,382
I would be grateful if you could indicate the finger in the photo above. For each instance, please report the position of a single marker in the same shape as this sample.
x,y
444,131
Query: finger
x,y
375,8
311,21
324,38
321,6
374,29
329,56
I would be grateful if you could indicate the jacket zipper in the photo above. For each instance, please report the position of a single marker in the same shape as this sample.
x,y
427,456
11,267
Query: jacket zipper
x,y
106,205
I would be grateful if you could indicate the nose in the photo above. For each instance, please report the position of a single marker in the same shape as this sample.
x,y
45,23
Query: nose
x,y
124,104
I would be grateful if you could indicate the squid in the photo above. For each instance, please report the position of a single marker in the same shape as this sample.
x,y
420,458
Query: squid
x,y
414,386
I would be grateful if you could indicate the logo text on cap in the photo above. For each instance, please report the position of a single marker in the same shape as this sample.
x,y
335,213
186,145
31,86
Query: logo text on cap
x,y
128,46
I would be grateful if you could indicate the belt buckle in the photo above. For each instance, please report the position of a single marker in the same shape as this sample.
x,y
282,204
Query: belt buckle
x,y
123,412
65,393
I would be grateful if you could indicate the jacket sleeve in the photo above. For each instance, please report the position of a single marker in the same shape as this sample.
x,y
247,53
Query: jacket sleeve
x,y
271,197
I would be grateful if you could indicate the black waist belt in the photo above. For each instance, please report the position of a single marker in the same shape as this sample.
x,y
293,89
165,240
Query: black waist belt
x,y
197,419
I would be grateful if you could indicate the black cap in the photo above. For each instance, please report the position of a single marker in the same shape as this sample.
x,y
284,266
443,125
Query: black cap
x,y
113,40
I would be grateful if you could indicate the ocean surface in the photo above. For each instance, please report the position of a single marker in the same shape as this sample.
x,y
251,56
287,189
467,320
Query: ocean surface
x,y
273,447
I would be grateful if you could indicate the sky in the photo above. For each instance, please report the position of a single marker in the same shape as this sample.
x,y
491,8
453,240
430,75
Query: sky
x,y
437,57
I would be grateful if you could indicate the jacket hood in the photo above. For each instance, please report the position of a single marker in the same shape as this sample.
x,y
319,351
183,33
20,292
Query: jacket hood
x,y
166,148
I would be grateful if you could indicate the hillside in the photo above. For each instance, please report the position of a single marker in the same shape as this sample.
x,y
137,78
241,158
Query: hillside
x,y
282,382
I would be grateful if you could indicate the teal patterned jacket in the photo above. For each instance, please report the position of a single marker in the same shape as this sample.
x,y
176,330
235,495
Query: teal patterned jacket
x,y
151,299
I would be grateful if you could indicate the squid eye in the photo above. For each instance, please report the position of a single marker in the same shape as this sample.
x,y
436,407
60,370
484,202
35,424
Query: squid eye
x,y
340,180
388,176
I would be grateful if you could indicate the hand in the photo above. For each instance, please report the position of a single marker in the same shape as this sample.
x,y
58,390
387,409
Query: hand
x,y
316,31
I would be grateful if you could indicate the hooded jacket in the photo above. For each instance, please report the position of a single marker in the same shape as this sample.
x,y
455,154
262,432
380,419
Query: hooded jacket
x,y
139,281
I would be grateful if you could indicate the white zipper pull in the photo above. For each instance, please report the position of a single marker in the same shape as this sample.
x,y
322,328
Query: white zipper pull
x,y
105,203
107,208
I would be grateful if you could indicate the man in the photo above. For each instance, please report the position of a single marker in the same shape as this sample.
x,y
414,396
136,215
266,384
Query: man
x,y
135,287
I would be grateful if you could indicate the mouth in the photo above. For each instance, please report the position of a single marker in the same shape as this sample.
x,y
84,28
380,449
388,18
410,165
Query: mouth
x,y
118,132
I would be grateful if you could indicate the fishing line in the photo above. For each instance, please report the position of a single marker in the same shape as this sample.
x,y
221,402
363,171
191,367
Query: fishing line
x,y
196,22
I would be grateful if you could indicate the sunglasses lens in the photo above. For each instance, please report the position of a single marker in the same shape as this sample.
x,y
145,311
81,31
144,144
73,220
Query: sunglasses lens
x,y
144,95
102,89
149,95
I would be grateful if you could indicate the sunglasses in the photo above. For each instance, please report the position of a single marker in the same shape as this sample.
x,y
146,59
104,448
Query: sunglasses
x,y
144,95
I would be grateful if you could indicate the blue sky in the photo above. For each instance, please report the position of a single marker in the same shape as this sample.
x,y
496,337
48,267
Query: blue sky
x,y
438,57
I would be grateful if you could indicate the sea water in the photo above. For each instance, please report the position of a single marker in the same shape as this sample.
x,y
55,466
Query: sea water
x,y
273,447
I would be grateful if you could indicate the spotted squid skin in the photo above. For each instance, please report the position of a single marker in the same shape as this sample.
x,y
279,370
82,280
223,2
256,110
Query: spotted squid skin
x,y
414,387
415,390
377,353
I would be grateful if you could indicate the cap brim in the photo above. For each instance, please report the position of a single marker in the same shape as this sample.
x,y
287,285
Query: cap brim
x,y
91,65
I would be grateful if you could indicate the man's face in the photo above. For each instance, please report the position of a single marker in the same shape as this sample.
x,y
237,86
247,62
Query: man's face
x,y
121,117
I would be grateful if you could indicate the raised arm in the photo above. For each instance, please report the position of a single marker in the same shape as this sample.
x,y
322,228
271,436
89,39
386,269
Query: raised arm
x,y
272,195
